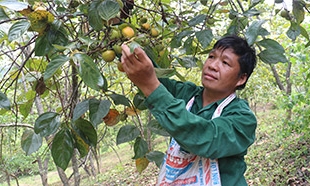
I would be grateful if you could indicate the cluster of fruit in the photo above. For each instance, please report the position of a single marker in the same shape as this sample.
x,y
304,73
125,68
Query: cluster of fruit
x,y
127,33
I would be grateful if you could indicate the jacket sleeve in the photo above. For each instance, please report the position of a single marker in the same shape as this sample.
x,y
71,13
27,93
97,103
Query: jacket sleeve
x,y
230,134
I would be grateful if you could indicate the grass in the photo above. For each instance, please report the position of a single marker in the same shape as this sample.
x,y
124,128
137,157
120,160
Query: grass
x,y
274,159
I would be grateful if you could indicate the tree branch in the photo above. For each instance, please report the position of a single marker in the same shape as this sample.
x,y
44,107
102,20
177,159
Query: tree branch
x,y
16,125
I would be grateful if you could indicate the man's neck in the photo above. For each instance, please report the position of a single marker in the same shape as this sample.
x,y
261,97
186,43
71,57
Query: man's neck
x,y
209,97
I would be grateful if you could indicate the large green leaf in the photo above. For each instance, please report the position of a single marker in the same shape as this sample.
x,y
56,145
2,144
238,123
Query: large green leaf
x,y
47,123
89,71
119,99
177,40
31,141
55,35
204,37
55,63
271,57
253,31
165,72
140,148
197,20
4,102
156,156
98,110
42,46
127,133
80,109
298,11
188,61
17,30
87,131
62,148
294,31
93,15
108,9
155,127
271,45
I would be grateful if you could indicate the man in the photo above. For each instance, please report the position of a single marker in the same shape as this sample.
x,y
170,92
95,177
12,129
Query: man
x,y
211,128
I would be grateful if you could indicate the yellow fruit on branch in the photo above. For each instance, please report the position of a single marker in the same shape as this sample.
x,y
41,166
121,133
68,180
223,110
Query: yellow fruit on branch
x,y
128,32
146,26
108,55
154,32
120,67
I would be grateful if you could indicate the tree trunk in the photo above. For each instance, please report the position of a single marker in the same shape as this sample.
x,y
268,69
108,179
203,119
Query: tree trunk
x,y
75,167
43,167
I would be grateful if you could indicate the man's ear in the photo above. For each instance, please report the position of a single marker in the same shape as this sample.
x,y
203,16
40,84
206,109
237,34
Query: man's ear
x,y
242,79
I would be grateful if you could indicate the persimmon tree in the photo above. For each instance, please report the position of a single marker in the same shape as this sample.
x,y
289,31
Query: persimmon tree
x,y
61,62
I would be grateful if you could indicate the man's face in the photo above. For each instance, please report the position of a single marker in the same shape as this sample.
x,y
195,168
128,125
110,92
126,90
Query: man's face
x,y
220,72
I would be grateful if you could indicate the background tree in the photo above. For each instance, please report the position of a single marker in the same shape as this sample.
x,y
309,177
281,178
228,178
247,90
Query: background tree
x,y
60,66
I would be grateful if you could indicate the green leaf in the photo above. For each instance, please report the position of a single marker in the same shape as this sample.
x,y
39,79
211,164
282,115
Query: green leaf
x,y
197,20
4,102
57,34
165,72
304,32
30,141
272,57
89,71
87,131
271,45
298,11
42,46
80,109
127,133
188,61
294,31
155,127
98,110
3,15
108,9
188,46
62,148
253,31
93,15
138,101
204,37
55,63
177,40
17,30
140,148
25,108
120,99
156,156
80,144
47,123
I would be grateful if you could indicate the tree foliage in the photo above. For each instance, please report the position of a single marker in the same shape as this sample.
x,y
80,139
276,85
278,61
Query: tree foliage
x,y
53,51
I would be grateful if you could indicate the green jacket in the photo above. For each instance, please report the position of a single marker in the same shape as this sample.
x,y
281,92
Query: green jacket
x,y
225,138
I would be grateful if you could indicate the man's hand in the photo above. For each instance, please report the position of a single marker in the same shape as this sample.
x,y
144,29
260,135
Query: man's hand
x,y
139,69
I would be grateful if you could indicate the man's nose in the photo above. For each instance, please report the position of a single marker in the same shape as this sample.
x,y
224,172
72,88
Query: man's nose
x,y
214,65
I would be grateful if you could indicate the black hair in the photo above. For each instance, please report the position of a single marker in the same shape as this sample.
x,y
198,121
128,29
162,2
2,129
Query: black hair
x,y
247,56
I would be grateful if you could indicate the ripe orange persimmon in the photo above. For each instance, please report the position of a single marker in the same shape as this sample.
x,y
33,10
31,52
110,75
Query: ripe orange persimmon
x,y
128,32
112,118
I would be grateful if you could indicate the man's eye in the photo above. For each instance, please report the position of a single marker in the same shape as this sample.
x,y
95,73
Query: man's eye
x,y
225,63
